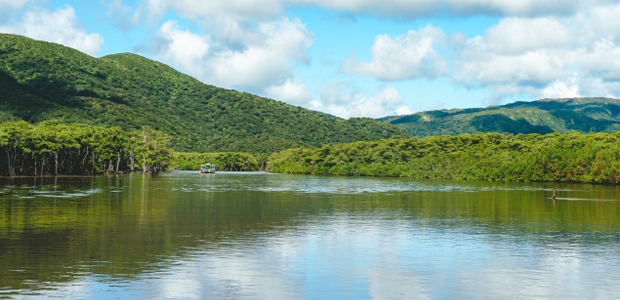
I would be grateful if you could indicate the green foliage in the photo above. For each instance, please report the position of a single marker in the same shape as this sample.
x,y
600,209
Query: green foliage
x,y
151,148
45,81
543,116
224,161
569,157
53,148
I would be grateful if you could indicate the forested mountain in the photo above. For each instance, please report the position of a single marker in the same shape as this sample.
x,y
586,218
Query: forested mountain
x,y
42,81
542,116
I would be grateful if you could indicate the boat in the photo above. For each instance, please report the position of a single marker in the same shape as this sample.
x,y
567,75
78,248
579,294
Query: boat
x,y
207,168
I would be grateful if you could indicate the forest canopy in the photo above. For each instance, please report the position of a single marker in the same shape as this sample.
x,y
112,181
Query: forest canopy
x,y
568,157
52,148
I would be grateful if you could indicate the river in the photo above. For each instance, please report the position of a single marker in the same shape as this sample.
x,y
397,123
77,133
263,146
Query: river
x,y
258,235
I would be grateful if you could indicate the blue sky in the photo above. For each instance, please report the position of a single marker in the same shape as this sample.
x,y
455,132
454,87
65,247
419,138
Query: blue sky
x,y
353,58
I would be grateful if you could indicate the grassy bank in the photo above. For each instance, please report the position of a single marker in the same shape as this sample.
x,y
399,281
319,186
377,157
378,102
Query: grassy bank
x,y
567,157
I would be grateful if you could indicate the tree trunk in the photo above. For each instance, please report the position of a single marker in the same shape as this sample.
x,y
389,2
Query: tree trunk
x,y
12,160
11,166
109,169
56,162
118,161
84,162
144,167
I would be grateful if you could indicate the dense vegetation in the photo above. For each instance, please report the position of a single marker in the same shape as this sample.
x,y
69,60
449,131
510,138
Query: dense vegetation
x,y
224,161
44,81
52,148
569,157
543,116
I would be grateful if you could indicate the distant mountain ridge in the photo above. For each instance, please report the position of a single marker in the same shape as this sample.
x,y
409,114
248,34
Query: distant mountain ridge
x,y
541,116
41,81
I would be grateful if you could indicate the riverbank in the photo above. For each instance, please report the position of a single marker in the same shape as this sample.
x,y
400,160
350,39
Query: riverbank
x,y
555,157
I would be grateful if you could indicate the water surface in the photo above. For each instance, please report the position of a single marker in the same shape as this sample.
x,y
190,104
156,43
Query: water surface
x,y
271,236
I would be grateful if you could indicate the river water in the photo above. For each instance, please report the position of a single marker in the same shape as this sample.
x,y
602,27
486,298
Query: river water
x,y
183,235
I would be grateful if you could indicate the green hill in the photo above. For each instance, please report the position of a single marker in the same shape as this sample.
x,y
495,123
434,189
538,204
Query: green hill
x,y
542,116
42,81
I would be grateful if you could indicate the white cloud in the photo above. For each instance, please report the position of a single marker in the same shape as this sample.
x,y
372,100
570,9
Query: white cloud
x,y
263,57
404,110
561,89
291,92
595,86
422,8
332,93
266,58
506,75
121,15
237,10
182,48
515,35
603,60
408,56
601,22
59,26
387,101
243,10
516,56
12,4
530,68
544,57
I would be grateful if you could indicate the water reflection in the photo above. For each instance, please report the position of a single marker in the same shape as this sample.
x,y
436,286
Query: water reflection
x,y
258,235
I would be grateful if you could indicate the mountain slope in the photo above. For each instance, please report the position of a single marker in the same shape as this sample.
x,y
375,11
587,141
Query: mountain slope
x,y
542,116
41,81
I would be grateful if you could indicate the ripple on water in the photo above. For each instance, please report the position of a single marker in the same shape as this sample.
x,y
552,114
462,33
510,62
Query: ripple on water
x,y
39,192
64,195
581,199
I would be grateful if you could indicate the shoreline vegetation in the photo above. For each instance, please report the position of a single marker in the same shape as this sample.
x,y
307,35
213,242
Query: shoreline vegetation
x,y
53,148
554,157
